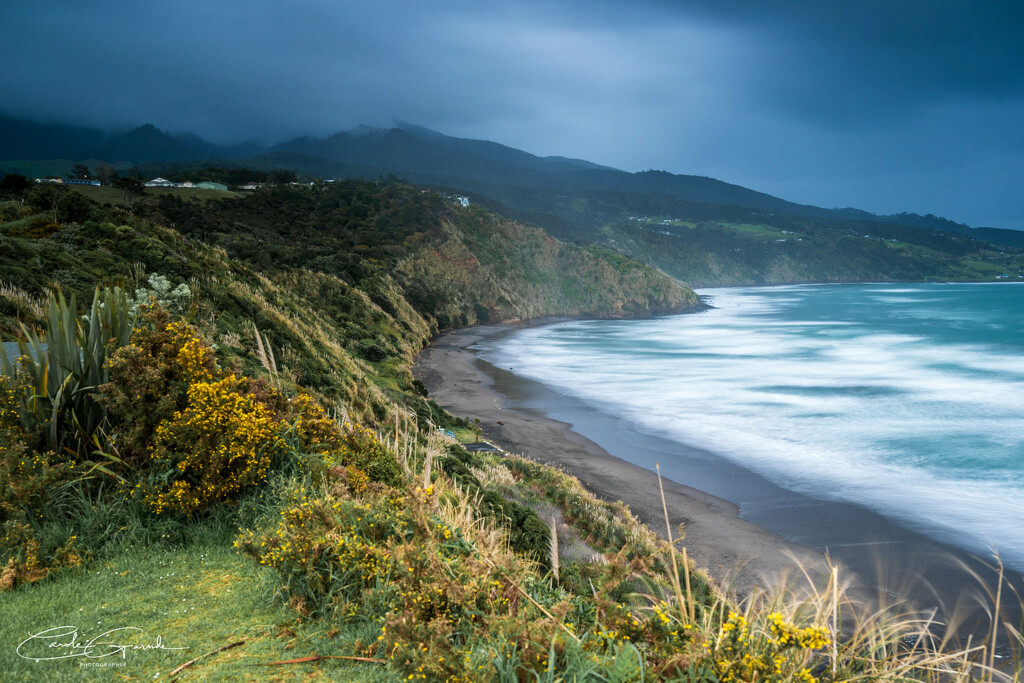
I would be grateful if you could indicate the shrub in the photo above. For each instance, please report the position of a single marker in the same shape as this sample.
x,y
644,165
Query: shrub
x,y
195,434
26,482
527,533
371,351
160,292
458,472
150,379
348,445
36,229
221,443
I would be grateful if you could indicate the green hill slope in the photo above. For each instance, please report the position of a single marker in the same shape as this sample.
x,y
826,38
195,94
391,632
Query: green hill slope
x,y
714,244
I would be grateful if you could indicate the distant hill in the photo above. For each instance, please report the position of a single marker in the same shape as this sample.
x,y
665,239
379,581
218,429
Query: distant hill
x,y
425,155
514,177
517,182
24,140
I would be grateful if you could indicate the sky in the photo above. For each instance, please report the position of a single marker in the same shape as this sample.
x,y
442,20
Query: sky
x,y
888,106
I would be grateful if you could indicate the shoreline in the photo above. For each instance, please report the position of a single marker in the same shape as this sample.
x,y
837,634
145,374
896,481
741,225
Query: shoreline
x,y
739,554
767,534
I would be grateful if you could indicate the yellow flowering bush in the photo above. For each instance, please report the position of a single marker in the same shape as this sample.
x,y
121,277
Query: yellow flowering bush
x,y
26,479
150,380
779,653
222,442
352,446
330,546
195,434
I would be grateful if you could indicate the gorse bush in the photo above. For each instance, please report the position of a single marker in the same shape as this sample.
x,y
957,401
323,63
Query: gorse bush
x,y
333,443
27,480
150,379
197,434
221,443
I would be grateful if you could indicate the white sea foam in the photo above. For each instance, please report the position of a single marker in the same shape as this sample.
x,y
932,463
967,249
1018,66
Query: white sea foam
x,y
892,415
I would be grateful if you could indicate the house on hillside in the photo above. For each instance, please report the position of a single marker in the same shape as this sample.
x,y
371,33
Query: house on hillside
x,y
82,181
207,185
160,182
253,185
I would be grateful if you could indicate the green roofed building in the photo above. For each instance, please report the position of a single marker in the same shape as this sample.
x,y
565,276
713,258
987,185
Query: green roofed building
x,y
211,186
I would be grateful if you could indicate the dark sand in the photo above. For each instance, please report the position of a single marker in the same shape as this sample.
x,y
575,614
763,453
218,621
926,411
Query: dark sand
x,y
716,537
743,529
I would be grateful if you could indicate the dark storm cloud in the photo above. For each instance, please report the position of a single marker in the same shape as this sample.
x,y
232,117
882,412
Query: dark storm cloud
x,y
884,105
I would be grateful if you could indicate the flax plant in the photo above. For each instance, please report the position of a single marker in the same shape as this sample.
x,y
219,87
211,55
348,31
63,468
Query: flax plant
x,y
59,377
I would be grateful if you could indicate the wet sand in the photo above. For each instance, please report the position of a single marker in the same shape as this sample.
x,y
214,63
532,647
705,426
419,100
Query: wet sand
x,y
740,527
735,551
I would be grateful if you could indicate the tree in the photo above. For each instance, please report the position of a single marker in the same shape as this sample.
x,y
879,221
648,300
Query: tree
x,y
46,196
74,207
104,172
131,188
64,205
79,171
14,185
282,177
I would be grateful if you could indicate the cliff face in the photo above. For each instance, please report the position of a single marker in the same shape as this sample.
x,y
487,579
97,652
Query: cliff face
x,y
486,269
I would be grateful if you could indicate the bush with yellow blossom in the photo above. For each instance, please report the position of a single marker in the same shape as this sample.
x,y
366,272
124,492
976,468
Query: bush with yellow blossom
x,y
195,433
222,442
353,446
27,479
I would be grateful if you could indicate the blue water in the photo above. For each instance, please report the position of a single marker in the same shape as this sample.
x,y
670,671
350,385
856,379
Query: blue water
x,y
907,399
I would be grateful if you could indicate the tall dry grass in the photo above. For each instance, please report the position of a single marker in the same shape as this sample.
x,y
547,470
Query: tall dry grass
x,y
865,641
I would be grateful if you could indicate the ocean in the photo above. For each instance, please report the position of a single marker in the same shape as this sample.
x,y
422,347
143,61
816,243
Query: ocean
x,y
905,399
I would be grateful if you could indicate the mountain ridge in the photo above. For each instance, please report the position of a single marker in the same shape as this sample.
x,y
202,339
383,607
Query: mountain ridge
x,y
425,156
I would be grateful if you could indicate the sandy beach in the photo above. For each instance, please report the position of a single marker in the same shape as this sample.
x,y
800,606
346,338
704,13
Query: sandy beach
x,y
736,552
759,537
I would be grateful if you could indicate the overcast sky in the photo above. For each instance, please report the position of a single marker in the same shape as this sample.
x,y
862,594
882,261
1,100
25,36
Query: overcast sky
x,y
886,105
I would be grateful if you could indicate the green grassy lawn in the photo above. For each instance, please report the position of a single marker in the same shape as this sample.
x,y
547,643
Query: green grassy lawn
x,y
982,267
200,597
465,434
756,230
112,195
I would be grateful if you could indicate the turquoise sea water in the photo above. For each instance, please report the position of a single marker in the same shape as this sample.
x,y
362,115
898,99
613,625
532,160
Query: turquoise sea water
x,y
907,399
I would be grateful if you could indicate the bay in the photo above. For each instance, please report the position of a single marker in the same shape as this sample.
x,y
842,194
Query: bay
x,y
905,399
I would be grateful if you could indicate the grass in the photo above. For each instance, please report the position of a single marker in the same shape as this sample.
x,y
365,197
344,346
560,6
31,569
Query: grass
x,y
465,434
202,597
756,230
985,268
